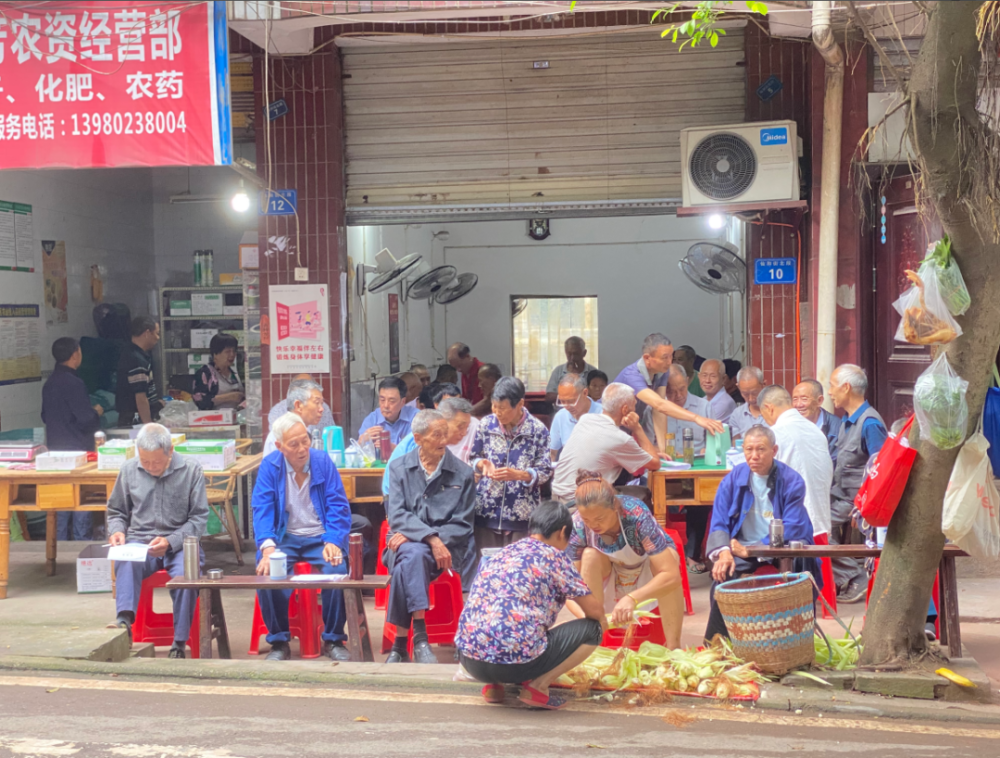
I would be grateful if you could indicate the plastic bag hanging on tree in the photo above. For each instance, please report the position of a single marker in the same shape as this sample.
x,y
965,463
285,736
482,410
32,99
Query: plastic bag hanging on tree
x,y
940,406
971,502
926,319
951,283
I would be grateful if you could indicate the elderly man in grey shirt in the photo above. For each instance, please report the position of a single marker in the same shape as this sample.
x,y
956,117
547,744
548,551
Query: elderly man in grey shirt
x,y
158,500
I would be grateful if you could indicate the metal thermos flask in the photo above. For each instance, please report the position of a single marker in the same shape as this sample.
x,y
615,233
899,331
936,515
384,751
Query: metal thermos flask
x,y
777,530
355,557
192,558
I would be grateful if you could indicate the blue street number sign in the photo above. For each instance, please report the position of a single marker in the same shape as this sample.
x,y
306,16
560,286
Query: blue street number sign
x,y
276,110
278,203
769,89
774,271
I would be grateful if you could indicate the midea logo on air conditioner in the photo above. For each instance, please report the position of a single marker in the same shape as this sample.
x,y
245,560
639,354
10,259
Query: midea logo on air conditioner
x,y
776,136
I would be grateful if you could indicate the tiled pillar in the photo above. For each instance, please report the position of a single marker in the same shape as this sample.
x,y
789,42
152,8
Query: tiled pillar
x,y
306,154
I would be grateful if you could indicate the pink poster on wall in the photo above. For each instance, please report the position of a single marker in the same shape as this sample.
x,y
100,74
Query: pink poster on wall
x,y
300,335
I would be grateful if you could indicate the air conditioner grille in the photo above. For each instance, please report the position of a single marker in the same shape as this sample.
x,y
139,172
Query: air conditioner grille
x,y
723,166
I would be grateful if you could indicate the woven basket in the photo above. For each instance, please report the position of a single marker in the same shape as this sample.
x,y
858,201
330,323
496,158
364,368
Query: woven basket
x,y
770,620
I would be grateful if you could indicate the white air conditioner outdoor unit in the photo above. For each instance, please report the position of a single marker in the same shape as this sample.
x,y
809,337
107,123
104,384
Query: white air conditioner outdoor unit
x,y
743,163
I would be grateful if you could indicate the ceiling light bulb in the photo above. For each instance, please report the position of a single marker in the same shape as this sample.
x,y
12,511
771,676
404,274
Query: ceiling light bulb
x,y
716,221
241,202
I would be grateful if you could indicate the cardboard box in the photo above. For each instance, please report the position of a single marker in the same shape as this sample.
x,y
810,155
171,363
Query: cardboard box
x,y
197,360
177,439
93,570
206,303
213,455
232,310
236,278
112,456
218,417
180,308
60,460
201,338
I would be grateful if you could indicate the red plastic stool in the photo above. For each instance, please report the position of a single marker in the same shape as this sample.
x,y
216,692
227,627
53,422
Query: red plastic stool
x,y
829,583
158,628
305,619
688,606
934,597
381,596
441,618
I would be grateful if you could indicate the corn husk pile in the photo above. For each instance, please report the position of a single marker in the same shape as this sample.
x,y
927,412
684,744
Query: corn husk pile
x,y
841,654
710,672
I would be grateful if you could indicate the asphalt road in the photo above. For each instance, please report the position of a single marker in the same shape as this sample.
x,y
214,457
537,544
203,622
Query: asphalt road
x,y
60,717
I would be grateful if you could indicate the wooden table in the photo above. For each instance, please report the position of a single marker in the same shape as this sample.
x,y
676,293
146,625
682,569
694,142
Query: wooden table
x,y
705,481
362,485
951,633
213,618
82,489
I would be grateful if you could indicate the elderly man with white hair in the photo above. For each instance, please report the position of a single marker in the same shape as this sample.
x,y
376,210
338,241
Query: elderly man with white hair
x,y
300,508
802,447
158,500
280,408
431,509
599,444
712,376
862,434
750,380
305,400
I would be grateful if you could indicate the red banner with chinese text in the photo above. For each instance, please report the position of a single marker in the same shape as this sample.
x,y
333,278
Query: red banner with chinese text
x,y
109,84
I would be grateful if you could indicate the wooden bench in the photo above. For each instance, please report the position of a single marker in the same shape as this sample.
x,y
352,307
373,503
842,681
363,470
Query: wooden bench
x,y
213,618
951,633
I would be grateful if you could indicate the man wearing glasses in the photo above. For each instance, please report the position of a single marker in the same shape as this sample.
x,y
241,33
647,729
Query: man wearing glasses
x,y
574,402
305,400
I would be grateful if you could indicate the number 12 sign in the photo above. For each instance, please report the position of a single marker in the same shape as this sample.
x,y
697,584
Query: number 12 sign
x,y
774,271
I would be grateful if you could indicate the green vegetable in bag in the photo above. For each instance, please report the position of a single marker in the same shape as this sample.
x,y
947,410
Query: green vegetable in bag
x,y
939,402
951,283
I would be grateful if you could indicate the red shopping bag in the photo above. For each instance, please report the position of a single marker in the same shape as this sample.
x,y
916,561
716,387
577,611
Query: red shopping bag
x,y
883,487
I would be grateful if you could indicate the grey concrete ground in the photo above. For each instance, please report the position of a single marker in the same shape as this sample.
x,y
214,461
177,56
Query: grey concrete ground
x,y
85,717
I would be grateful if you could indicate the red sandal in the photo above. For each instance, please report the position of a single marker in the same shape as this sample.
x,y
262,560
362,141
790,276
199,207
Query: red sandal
x,y
534,698
494,693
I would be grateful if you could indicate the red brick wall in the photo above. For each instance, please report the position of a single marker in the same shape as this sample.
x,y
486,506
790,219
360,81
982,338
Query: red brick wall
x,y
771,330
307,155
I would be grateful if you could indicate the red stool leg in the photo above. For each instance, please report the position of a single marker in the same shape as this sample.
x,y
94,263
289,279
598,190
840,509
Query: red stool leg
x,y
829,584
937,607
307,616
258,628
682,565
158,628
381,596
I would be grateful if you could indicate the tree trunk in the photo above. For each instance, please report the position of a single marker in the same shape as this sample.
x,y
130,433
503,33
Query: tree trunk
x,y
947,133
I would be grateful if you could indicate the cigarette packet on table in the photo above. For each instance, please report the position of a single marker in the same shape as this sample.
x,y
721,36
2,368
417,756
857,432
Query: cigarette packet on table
x,y
319,578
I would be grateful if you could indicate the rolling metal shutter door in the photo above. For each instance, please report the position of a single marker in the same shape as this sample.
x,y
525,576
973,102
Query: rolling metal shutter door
x,y
470,129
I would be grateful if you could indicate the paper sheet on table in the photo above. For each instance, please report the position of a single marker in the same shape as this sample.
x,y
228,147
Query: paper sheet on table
x,y
319,578
131,551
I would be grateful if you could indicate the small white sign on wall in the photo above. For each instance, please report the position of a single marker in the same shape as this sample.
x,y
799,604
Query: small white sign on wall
x,y
299,328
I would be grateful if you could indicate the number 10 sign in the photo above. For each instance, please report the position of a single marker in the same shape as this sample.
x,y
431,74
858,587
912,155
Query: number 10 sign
x,y
774,271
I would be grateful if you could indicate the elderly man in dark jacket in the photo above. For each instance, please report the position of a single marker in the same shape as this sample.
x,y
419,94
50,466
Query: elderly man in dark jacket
x,y
749,498
432,501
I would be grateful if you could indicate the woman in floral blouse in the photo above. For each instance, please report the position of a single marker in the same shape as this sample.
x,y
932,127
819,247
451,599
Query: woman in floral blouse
x,y
505,634
511,456
624,555
217,385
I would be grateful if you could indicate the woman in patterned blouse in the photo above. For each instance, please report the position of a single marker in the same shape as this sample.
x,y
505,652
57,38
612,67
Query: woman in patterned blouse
x,y
505,634
624,555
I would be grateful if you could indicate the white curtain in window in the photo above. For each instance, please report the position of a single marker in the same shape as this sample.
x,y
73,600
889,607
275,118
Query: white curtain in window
x,y
541,329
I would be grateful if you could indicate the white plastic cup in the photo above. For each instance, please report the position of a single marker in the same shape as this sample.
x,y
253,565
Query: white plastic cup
x,y
279,565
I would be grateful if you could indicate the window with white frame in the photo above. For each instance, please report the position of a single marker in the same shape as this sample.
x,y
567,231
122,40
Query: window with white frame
x,y
540,327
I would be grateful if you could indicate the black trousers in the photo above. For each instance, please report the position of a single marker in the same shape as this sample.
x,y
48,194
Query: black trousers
x,y
697,524
564,640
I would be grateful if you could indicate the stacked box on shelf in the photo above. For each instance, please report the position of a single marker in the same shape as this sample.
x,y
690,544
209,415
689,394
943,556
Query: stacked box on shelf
x,y
213,455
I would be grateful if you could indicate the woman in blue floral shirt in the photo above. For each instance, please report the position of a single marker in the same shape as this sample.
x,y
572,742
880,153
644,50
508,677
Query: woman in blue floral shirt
x,y
511,456
624,555
505,634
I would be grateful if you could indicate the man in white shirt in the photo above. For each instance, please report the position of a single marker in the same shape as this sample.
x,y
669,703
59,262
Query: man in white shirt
x,y
576,350
574,403
750,380
280,408
678,391
802,446
713,381
305,400
598,444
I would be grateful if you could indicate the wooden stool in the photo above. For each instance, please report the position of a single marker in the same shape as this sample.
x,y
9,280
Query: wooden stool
x,y
220,500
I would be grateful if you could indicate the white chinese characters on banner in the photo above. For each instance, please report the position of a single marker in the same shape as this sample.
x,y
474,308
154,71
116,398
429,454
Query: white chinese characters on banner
x,y
300,328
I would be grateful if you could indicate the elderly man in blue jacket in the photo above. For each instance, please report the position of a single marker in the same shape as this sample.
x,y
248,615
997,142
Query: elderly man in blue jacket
x,y
300,508
749,498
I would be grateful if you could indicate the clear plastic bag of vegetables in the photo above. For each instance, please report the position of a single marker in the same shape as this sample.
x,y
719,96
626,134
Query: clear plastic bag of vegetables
x,y
939,402
951,283
926,319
